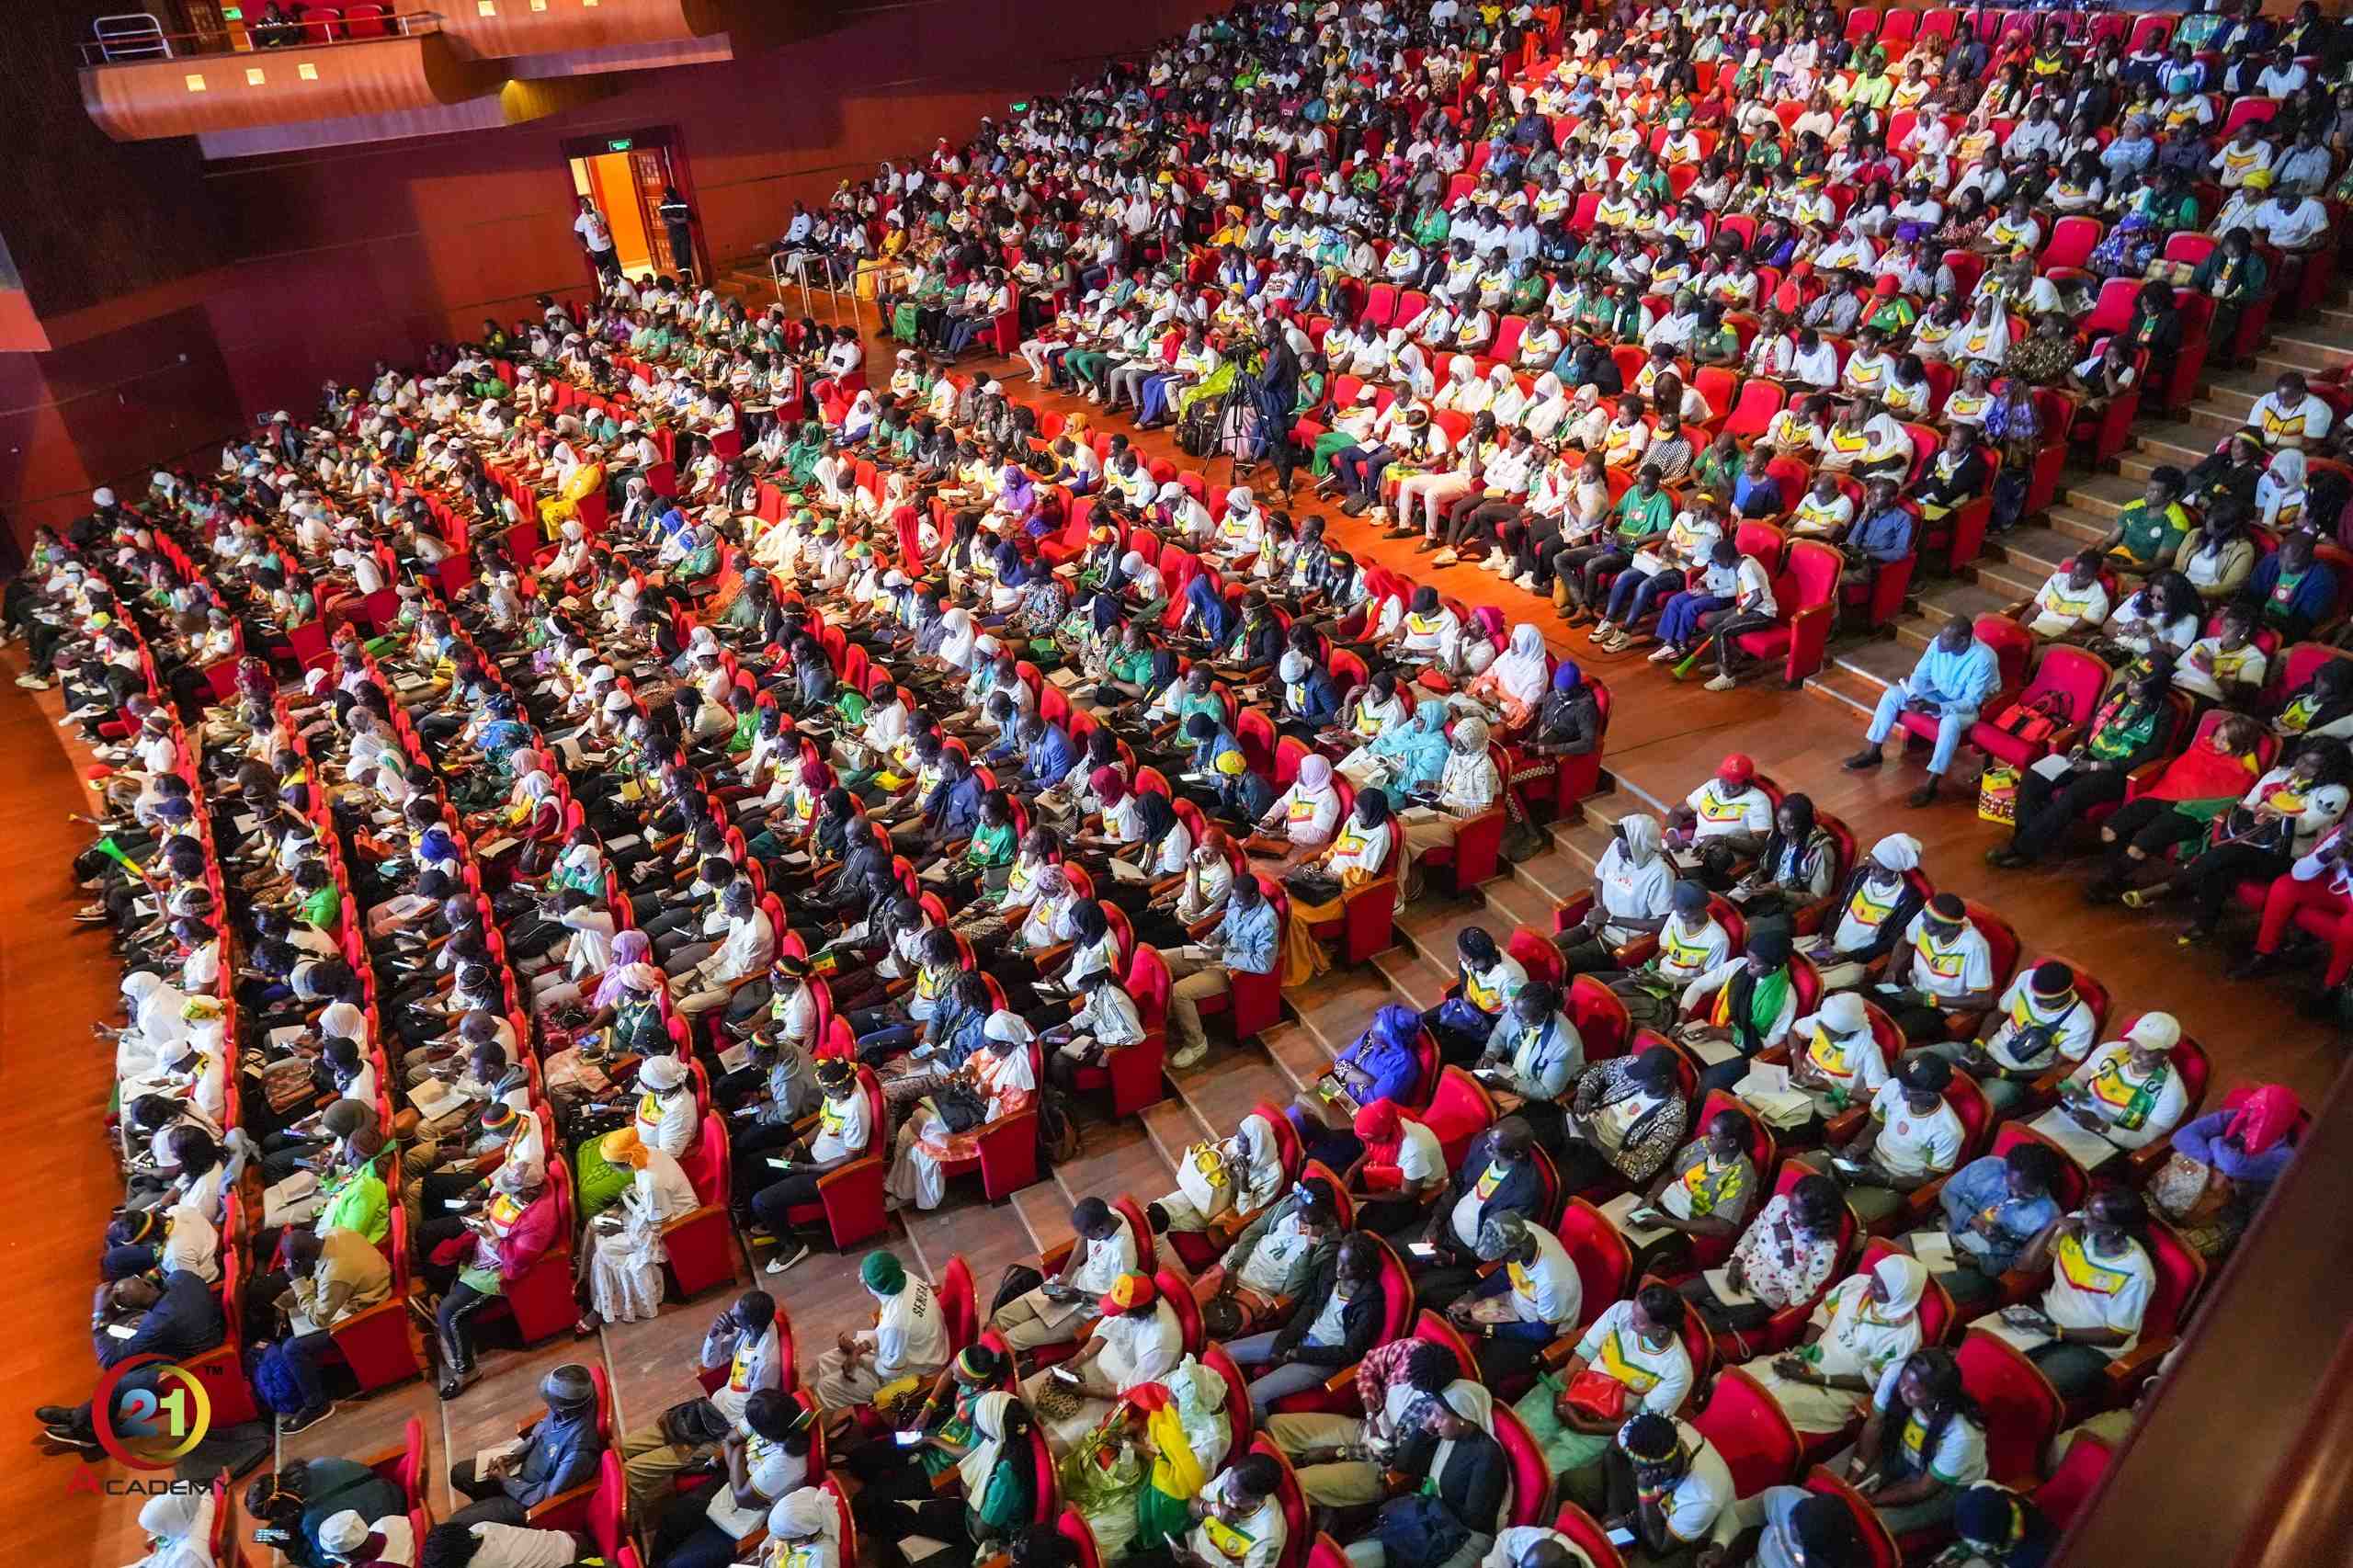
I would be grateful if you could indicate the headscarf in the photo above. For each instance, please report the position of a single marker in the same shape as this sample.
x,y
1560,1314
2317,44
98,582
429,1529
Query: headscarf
x,y
802,1513
1315,778
1897,851
2262,1115
180,1523
1419,746
956,635
1519,669
1177,1471
1380,1129
630,950
979,1463
1639,833
1260,1158
1906,1279
1106,786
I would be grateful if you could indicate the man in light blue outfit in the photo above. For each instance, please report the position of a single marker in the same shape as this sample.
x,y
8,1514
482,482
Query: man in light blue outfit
x,y
1246,942
1951,681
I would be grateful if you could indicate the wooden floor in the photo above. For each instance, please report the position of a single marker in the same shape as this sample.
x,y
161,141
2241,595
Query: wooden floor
x,y
1665,738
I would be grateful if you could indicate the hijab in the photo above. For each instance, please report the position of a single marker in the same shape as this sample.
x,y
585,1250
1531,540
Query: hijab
x,y
1315,779
979,1463
1519,670
2262,1117
180,1524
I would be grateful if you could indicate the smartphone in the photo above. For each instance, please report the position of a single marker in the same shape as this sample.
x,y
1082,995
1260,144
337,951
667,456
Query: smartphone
x,y
908,1439
1620,1537
1421,1249
1066,1374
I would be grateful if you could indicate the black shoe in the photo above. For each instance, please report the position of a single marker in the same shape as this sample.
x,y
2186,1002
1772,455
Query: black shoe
x,y
2006,858
1926,795
304,1419
1863,761
55,1415
2254,966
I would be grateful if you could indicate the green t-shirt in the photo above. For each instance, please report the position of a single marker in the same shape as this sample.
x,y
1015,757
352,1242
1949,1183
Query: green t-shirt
x,y
2151,533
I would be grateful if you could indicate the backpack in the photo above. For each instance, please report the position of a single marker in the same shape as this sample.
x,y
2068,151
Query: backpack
x,y
1057,1128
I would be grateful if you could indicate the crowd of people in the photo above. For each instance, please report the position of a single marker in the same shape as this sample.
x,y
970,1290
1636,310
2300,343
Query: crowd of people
x,y
717,767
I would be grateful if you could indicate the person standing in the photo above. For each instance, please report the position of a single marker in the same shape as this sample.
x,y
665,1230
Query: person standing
x,y
680,220
597,235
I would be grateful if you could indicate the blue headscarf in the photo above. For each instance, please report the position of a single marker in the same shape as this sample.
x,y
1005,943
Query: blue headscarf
x,y
1216,617
1417,745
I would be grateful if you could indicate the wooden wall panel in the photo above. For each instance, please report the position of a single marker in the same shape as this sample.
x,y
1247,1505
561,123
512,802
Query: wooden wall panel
x,y
555,27
142,100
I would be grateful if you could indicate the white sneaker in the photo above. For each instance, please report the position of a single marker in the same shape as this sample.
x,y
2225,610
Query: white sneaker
x,y
1189,1056
1444,558
1525,580
1665,653
778,1264
1497,562
32,682
1601,631
1722,683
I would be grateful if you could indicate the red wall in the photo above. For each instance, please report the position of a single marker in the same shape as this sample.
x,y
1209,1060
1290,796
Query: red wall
x,y
345,255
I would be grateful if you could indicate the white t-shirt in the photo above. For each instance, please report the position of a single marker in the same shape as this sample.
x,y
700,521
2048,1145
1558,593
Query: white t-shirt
x,y
841,1127
1910,1144
1547,1289
1106,1261
1420,1156
1958,1458
1951,969
594,232
2100,1292
1255,1540
1514,1542
512,1546
1269,1263
911,1335
1656,1380
2070,1026
1700,1506
1718,811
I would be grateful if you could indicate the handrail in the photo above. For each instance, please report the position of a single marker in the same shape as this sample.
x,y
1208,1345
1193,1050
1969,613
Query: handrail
x,y
314,32
833,291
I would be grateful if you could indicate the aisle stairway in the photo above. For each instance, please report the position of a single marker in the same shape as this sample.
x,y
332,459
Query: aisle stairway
x,y
2016,564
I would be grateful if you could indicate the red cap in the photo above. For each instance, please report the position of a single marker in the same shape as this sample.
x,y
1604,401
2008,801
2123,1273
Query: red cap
x,y
1738,768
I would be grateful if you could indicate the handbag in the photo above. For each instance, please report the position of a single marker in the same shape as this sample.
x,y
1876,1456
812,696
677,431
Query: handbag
x,y
960,1108
1312,887
1597,1395
1997,794
286,1082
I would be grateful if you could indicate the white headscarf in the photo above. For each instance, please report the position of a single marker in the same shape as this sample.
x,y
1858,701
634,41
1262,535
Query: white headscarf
x,y
958,634
180,1524
806,1512
1519,670
979,1461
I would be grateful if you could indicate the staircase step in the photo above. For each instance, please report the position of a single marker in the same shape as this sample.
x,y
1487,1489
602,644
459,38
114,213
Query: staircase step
x,y
1222,1086
1584,842
2220,421
1556,876
1881,664
1332,1009
2043,549
2177,443
2080,524
1417,981
1430,928
1849,691
2012,580
1518,903
2103,495
1940,603
1174,1126
2300,348
2136,465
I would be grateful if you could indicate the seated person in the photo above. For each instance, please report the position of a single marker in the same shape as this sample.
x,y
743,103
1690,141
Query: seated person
x,y
2129,1091
291,1507
1865,1326
1457,1482
1272,1261
2101,1279
1059,1310
1632,1360
1339,1459
1668,1486
1993,1207
1913,1137
558,1451
1628,1116
903,1491
1329,1325
908,1338
1497,1175
1922,1444
1783,1259
1523,1305
2039,1022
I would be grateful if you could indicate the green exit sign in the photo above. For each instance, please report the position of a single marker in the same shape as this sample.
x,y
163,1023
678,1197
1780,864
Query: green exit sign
x,y
621,143
1020,109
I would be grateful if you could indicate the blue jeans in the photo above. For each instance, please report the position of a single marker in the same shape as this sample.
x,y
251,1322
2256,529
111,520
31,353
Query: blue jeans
x,y
1632,594
1359,469
1678,622
304,1354
1952,723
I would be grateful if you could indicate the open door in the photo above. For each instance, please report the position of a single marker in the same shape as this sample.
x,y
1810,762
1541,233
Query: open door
x,y
632,179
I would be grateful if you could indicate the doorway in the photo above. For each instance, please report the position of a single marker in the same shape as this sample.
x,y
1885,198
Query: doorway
x,y
627,177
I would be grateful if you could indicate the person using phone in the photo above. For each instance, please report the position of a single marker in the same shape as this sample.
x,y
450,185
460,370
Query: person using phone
x,y
2101,1282
1137,1338
1338,1459
1783,1259
1668,1490
1058,1309
1497,1175
766,1458
1922,1442
1912,1137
